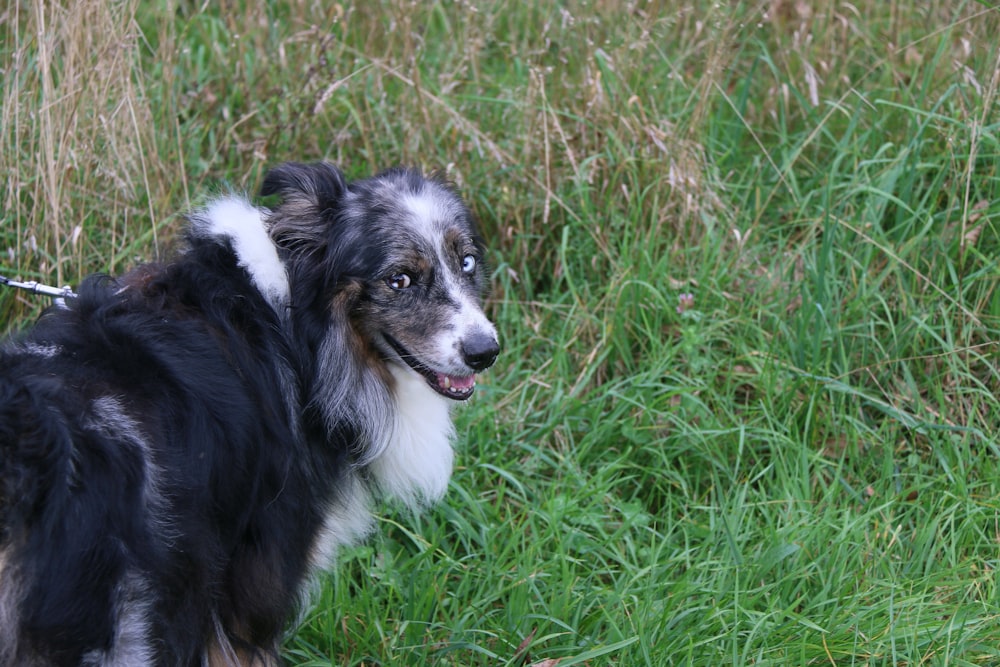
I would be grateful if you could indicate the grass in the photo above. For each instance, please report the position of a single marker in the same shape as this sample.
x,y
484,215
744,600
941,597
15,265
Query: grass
x,y
799,466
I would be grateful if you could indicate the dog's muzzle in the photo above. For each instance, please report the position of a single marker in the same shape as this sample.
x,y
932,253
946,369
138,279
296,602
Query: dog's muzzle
x,y
478,352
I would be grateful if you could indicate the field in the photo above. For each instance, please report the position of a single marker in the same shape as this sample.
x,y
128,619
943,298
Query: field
x,y
744,267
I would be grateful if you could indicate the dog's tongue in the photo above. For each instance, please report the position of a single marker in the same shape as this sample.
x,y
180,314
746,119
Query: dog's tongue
x,y
456,383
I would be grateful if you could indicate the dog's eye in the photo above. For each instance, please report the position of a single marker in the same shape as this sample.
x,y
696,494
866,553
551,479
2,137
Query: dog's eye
x,y
398,281
468,264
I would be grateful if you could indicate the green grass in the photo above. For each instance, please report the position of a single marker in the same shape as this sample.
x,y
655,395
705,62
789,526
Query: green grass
x,y
799,468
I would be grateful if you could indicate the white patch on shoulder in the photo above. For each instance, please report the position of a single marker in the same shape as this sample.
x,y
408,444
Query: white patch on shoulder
x,y
416,460
244,225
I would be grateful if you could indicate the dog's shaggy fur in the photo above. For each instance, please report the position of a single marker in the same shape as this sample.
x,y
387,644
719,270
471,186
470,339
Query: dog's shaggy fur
x,y
182,447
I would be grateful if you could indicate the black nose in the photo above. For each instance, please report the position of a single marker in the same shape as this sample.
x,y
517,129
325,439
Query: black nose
x,y
479,351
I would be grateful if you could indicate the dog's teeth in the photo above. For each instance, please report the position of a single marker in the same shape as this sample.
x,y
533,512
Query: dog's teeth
x,y
456,386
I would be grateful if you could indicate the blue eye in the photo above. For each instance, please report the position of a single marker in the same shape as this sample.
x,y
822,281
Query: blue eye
x,y
468,264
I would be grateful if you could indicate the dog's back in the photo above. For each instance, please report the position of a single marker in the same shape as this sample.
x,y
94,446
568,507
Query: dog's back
x,y
123,418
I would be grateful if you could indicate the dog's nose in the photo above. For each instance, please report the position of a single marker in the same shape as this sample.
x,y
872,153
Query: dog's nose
x,y
479,351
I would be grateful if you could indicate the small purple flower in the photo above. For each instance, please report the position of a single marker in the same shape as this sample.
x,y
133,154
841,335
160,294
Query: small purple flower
x,y
686,302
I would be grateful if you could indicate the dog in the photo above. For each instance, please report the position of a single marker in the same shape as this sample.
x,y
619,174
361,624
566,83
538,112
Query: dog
x,y
184,448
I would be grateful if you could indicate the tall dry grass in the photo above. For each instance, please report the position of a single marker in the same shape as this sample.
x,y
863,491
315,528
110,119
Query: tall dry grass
x,y
114,117
84,173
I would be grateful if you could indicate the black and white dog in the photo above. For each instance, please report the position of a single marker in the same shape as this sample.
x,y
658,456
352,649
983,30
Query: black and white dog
x,y
181,448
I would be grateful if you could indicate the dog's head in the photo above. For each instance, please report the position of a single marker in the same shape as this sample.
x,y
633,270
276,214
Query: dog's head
x,y
399,256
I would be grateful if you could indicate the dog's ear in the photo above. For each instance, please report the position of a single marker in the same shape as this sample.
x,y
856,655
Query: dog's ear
x,y
310,195
320,184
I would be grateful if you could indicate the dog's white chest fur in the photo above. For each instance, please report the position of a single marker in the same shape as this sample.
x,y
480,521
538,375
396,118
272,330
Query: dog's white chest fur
x,y
416,462
414,465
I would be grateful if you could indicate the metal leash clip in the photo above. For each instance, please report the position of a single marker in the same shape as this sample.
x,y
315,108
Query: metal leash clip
x,y
58,294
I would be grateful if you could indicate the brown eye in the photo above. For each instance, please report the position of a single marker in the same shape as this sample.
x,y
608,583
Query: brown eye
x,y
398,281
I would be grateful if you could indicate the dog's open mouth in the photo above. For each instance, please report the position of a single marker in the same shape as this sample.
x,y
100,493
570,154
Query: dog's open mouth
x,y
456,387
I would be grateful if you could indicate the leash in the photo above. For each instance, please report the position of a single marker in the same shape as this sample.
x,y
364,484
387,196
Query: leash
x,y
58,294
